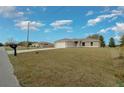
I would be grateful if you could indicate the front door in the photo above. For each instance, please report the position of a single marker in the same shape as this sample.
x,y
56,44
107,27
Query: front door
x,y
83,43
91,43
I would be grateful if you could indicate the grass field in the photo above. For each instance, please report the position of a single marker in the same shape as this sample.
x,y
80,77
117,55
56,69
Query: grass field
x,y
70,67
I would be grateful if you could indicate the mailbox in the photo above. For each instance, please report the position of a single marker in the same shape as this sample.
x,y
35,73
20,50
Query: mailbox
x,y
14,46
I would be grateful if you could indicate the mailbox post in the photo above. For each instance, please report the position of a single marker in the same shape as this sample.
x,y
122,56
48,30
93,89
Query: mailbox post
x,y
14,46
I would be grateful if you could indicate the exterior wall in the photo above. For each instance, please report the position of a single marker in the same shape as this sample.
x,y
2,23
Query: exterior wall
x,y
60,45
70,44
35,45
95,44
67,44
79,44
87,44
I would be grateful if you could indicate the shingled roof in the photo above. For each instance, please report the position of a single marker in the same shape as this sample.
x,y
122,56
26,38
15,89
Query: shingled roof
x,y
85,40
66,39
90,39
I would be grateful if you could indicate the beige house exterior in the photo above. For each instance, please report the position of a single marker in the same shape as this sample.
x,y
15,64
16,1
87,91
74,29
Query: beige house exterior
x,y
68,43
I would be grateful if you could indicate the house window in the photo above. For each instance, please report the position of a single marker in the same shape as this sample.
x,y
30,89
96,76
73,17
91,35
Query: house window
x,y
76,42
91,43
83,43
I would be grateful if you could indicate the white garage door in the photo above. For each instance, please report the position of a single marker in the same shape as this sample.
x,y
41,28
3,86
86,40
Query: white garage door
x,y
60,45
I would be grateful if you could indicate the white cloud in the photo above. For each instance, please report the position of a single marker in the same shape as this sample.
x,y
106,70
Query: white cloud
x,y
64,28
114,18
47,30
28,11
60,24
33,25
64,25
117,37
10,12
106,9
98,19
111,15
92,22
119,27
20,13
104,30
69,31
121,8
89,13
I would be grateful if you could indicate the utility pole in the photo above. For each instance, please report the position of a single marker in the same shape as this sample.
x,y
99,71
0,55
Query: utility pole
x,y
28,35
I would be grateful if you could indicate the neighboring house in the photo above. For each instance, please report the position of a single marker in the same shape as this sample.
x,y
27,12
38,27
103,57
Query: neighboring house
x,y
42,45
88,42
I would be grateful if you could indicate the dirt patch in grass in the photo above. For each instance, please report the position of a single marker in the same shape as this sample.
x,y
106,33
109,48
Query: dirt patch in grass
x,y
67,67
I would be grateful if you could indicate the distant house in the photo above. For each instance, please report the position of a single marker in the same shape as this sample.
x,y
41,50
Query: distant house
x,y
42,45
66,43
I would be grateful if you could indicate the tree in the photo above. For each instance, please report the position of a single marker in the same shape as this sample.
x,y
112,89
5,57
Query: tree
x,y
122,40
94,36
1,44
102,42
111,42
13,44
24,43
10,41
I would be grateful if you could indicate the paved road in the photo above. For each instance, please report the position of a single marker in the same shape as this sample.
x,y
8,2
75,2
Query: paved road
x,y
7,78
30,50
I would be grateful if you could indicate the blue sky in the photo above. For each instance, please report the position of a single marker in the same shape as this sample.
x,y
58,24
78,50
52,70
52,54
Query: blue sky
x,y
53,23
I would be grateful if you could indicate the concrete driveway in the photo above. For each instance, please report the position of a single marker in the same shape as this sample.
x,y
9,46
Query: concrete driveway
x,y
7,78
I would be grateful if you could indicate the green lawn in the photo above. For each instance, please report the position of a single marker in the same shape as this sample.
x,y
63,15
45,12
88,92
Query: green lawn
x,y
70,67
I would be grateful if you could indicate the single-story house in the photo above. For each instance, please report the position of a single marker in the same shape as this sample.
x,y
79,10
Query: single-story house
x,y
42,45
67,43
